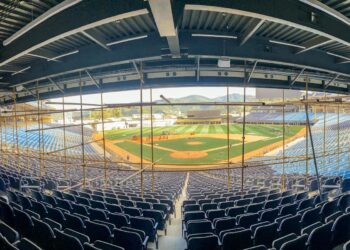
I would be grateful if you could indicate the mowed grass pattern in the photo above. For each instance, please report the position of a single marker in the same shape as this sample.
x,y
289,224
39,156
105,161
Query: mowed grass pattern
x,y
253,129
273,133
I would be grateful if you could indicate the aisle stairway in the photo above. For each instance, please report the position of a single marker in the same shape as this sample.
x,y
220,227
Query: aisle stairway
x,y
174,240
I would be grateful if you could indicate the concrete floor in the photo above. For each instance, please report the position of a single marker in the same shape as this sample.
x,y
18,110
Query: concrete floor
x,y
173,240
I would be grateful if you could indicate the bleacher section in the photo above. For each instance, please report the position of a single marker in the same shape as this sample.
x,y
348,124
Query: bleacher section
x,y
295,118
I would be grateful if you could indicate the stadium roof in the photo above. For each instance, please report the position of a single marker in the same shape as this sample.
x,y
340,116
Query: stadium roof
x,y
113,43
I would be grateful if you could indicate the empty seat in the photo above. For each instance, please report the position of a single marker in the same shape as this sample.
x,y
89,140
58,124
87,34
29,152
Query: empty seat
x,y
328,208
133,211
74,222
147,225
129,239
43,235
288,209
289,225
310,216
341,229
119,220
269,215
209,242
83,238
98,231
106,246
234,211
222,224
247,220
217,213
25,244
237,240
265,234
24,223
9,233
344,202
199,227
298,243
191,207
97,214
320,238
277,243
64,241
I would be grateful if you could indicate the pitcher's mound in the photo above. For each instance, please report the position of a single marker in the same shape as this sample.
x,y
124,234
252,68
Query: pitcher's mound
x,y
194,143
188,154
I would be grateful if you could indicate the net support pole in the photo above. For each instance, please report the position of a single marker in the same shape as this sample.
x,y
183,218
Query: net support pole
x,y
39,134
306,134
283,181
82,131
338,138
64,136
313,150
1,133
324,131
243,128
104,140
42,139
27,146
16,127
152,142
228,138
141,128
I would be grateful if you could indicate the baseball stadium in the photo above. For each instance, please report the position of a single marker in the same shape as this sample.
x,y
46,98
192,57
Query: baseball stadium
x,y
174,124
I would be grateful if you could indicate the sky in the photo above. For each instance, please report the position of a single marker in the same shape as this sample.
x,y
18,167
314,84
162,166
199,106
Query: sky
x,y
134,95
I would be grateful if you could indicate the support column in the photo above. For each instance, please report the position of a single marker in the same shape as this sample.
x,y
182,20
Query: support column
x,y
82,131
313,149
64,137
103,140
27,146
306,134
152,142
338,139
324,131
283,181
141,128
42,139
243,129
16,126
39,132
228,137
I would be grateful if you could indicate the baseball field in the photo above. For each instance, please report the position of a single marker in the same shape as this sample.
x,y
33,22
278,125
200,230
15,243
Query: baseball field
x,y
197,144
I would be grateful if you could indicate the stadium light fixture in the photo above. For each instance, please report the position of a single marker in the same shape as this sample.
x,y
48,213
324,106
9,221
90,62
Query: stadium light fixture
x,y
165,99
287,44
214,36
127,40
63,55
20,71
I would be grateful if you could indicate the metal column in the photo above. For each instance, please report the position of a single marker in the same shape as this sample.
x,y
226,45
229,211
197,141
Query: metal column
x,y
64,137
141,126
228,138
284,144
152,142
82,132
103,139
39,132
306,133
243,129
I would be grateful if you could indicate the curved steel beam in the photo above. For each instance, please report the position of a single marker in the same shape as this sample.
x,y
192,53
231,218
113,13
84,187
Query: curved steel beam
x,y
91,14
287,12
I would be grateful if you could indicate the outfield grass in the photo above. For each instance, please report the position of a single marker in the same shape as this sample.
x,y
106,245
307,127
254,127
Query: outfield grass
x,y
272,133
262,130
